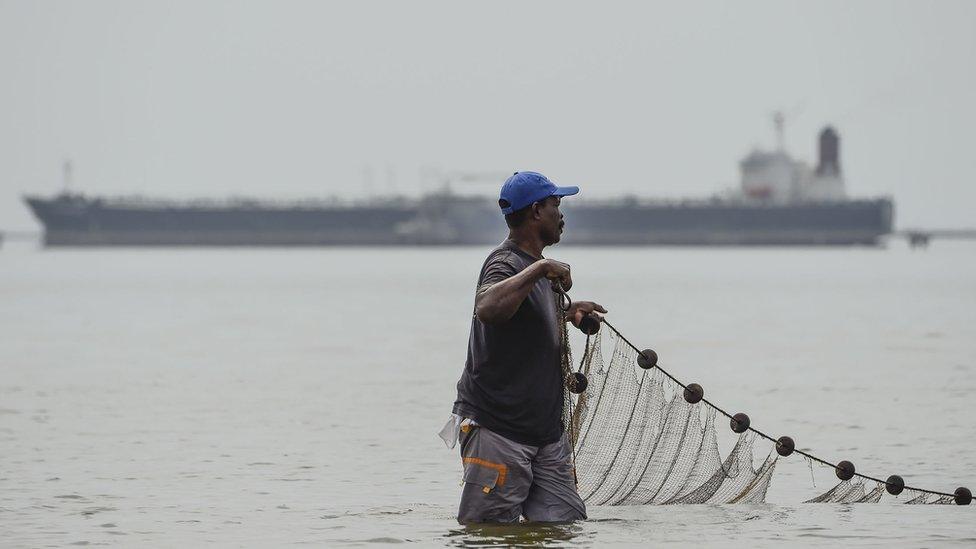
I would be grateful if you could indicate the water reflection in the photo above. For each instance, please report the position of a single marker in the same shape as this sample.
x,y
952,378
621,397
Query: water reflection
x,y
523,535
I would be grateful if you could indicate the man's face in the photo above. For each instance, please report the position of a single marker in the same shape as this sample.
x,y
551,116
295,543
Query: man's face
x,y
551,220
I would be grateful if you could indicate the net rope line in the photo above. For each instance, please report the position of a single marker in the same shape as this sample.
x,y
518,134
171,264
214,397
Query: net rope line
x,y
563,305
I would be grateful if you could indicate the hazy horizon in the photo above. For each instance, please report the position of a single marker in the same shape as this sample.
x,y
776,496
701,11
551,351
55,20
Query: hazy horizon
x,y
307,99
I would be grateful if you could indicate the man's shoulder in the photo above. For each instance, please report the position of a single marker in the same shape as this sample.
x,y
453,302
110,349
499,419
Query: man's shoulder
x,y
502,262
507,252
505,256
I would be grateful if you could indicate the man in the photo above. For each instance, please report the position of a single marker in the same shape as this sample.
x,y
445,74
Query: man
x,y
508,414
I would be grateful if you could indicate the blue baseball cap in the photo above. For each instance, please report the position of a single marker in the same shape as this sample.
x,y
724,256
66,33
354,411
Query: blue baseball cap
x,y
524,188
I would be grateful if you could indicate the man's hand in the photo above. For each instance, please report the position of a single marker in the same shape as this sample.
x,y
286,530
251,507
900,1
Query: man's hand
x,y
557,271
579,309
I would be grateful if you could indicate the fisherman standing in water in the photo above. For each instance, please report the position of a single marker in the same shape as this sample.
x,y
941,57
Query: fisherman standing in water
x,y
508,414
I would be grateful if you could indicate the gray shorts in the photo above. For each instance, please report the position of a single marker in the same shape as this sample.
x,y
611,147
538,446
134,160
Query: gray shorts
x,y
504,480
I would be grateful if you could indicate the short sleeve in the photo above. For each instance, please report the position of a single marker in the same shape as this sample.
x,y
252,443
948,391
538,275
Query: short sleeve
x,y
498,267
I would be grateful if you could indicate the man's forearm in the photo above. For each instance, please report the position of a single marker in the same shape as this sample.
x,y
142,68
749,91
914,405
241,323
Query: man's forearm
x,y
498,302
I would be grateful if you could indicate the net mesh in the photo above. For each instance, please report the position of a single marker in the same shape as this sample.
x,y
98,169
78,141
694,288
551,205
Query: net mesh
x,y
637,441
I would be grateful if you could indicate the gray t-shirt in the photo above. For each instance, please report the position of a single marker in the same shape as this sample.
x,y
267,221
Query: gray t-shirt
x,y
512,380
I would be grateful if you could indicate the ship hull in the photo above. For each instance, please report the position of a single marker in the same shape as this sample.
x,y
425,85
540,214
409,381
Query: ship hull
x,y
75,221
216,238
848,223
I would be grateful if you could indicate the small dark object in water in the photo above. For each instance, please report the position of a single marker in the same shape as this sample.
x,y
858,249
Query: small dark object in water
x,y
963,496
647,359
581,383
739,423
589,324
895,484
845,470
694,393
785,446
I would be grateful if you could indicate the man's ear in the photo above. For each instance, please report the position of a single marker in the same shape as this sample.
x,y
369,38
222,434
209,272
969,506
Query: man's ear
x,y
536,206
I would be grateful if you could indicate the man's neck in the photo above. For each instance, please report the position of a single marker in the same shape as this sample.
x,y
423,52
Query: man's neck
x,y
528,243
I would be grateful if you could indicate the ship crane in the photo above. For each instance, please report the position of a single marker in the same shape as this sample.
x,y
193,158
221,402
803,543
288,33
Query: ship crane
x,y
447,180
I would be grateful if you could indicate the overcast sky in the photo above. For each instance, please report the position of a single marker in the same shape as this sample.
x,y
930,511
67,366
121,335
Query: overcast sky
x,y
288,99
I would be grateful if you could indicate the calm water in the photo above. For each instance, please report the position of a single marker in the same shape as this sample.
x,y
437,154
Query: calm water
x,y
278,397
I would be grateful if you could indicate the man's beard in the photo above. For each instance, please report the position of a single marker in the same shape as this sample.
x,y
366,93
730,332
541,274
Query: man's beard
x,y
556,235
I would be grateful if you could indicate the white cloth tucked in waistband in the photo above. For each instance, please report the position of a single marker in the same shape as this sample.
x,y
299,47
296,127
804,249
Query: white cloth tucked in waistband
x,y
452,429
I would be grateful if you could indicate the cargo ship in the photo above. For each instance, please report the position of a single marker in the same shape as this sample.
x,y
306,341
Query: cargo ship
x,y
780,201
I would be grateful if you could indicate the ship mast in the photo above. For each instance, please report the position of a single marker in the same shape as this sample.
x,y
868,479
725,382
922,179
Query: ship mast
x,y
779,122
66,172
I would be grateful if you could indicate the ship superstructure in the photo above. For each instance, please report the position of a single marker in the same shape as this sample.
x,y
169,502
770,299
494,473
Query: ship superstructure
x,y
776,177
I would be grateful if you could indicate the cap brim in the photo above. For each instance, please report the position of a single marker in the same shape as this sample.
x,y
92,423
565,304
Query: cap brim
x,y
565,191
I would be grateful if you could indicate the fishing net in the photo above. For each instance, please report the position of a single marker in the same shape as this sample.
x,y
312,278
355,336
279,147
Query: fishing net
x,y
641,437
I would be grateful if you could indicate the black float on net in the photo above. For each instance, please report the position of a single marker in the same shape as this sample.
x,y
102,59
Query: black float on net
x,y
739,423
694,393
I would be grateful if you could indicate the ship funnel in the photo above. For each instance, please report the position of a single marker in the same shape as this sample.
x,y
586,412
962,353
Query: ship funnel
x,y
829,161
